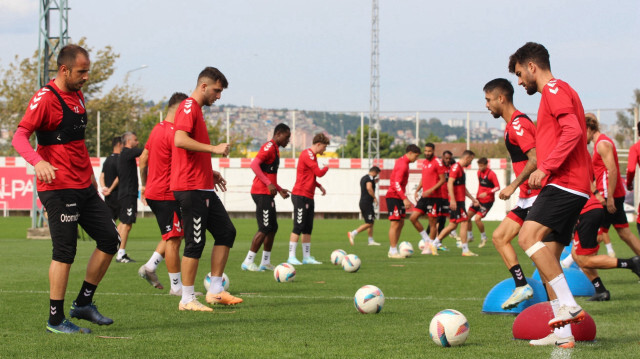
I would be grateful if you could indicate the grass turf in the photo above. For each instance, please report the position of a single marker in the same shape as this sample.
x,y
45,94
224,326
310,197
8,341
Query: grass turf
x,y
311,317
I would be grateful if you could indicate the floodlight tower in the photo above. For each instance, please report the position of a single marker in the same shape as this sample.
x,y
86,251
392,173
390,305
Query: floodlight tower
x,y
374,94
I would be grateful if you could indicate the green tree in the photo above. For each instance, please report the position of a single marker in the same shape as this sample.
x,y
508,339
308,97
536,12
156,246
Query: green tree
x,y
387,149
625,120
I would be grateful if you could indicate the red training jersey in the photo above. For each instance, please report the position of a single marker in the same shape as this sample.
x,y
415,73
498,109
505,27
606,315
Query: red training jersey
x,y
306,174
592,203
487,183
520,137
399,178
431,171
633,161
459,189
160,146
444,191
601,172
191,170
44,114
561,140
269,156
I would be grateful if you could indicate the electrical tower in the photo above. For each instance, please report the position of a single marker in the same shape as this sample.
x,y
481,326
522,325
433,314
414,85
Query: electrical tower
x,y
374,94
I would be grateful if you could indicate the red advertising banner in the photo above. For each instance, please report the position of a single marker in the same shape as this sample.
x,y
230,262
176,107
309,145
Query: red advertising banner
x,y
16,188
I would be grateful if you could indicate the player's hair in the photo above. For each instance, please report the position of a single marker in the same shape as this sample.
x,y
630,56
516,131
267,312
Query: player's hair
x,y
530,52
68,54
467,153
592,122
430,145
503,85
447,152
176,99
638,126
482,160
375,169
126,136
116,141
281,127
214,75
413,148
320,138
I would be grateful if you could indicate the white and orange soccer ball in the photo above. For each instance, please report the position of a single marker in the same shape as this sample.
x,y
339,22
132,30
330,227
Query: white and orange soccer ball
x,y
351,263
406,249
337,256
284,272
207,281
421,244
369,299
449,328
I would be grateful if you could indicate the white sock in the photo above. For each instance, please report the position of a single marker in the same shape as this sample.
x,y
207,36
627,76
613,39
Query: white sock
x,y
121,252
354,233
393,250
465,247
562,332
561,288
216,285
153,262
568,261
249,259
483,236
453,233
306,250
187,294
292,249
609,247
266,258
176,281
436,242
371,240
469,235
424,235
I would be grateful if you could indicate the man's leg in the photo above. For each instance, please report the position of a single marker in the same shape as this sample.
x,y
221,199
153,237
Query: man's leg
x,y
463,235
630,239
265,263
172,260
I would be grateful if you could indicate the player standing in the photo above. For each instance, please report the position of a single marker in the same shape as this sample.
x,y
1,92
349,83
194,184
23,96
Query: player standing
x,y
633,162
67,187
264,189
488,185
193,182
128,191
367,200
109,178
302,199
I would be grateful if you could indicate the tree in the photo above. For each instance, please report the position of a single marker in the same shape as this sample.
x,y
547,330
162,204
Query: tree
x,y
387,150
625,121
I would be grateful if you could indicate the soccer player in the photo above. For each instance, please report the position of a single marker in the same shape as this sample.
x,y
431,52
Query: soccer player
x,y
432,179
128,191
520,140
633,162
609,186
397,201
563,173
367,200
109,178
456,186
488,185
67,187
193,182
302,199
155,176
264,189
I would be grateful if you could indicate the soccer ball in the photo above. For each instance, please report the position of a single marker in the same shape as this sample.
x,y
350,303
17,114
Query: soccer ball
x,y
284,272
337,256
449,328
225,281
421,244
351,263
369,299
406,249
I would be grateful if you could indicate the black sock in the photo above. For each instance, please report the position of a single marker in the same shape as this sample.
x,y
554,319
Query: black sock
x,y
56,311
518,277
85,296
623,263
598,285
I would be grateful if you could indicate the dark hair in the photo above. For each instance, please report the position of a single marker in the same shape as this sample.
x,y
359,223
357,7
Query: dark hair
x,y
214,75
447,152
375,169
483,160
281,127
320,138
467,153
68,54
592,122
177,98
503,85
431,145
413,148
116,141
638,126
530,52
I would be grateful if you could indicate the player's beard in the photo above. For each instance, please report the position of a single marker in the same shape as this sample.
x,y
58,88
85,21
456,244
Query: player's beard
x,y
429,158
531,88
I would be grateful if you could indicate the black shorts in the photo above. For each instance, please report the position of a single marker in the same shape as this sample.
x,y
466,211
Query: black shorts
x,y
585,239
168,217
396,209
203,211
459,215
519,214
482,209
368,212
303,213
128,209
618,218
265,213
428,206
443,207
559,210
113,204
66,209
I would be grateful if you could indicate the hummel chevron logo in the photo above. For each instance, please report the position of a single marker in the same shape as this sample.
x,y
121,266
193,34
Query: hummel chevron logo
x,y
187,106
197,220
520,133
519,274
197,226
54,310
187,111
553,91
36,99
175,281
129,211
299,216
87,292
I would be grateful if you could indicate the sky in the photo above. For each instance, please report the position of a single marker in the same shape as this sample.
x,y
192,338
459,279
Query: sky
x,y
316,55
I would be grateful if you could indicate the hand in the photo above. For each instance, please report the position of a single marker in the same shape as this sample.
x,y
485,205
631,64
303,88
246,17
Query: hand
x,y
427,193
535,179
629,186
416,195
284,193
221,149
45,172
375,201
453,205
272,189
611,206
482,195
143,199
322,190
106,191
601,199
475,202
219,183
506,193
407,203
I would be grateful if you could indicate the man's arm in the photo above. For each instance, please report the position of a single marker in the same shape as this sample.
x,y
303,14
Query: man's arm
x,y
255,166
528,169
144,161
441,181
473,200
44,170
182,140
452,197
371,192
605,149
631,166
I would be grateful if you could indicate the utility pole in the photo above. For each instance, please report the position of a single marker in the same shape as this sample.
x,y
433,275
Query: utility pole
x,y
374,94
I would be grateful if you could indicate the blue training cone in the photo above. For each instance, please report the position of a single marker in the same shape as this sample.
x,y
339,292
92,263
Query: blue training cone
x,y
579,284
502,291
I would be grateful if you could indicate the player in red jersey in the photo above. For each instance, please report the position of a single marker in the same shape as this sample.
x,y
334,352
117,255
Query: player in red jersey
x,y
302,199
563,174
633,162
397,201
488,185
155,175
457,189
609,186
520,140
432,179
67,187
264,189
193,182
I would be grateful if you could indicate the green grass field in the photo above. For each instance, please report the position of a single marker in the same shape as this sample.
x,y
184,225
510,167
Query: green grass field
x,y
311,317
